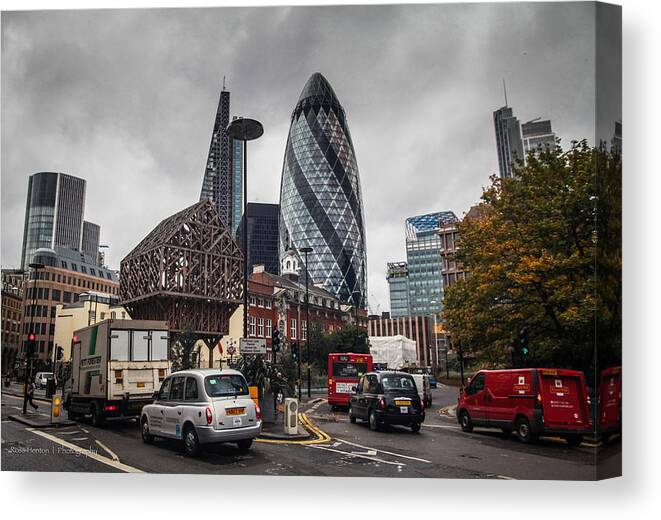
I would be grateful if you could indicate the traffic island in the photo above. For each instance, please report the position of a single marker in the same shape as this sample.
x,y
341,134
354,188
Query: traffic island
x,y
37,420
276,431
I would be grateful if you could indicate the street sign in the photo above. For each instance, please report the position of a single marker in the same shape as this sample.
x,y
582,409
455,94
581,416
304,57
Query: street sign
x,y
252,346
231,350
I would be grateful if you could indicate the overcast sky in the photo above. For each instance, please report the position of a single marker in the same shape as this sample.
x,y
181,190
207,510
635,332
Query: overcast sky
x,y
126,99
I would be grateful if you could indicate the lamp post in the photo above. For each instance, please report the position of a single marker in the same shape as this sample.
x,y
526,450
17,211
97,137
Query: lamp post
x,y
434,302
355,296
243,129
305,251
29,351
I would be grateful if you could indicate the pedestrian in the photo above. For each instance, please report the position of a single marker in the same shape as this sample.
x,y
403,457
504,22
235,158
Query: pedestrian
x,y
31,389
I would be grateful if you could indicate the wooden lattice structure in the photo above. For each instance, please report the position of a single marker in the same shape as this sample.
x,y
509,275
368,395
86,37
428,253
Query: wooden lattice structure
x,y
188,271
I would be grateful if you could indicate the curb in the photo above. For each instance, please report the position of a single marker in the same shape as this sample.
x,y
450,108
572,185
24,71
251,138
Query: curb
x,y
41,399
39,423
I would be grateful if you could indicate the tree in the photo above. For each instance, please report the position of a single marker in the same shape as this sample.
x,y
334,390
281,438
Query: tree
x,y
543,251
346,339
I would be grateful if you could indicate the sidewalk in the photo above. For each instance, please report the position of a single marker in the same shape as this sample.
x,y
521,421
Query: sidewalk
x,y
39,420
276,431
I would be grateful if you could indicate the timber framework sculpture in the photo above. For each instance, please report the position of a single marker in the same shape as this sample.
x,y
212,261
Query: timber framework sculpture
x,y
188,272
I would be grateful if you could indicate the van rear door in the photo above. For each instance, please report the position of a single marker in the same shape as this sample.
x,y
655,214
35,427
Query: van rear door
x,y
232,405
564,399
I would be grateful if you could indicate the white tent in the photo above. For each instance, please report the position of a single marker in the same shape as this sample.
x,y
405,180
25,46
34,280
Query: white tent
x,y
395,351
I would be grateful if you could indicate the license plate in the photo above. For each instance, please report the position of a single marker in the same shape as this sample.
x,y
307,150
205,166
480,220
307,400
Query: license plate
x,y
403,409
141,384
402,403
235,411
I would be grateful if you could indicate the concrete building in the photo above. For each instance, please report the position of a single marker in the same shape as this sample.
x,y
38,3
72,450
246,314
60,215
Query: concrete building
x,y
90,241
508,140
418,328
91,307
537,136
398,286
12,316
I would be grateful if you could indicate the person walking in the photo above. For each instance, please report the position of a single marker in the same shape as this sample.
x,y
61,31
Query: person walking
x,y
31,388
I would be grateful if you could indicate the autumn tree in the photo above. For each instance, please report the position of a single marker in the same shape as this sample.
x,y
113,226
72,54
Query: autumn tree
x,y
544,252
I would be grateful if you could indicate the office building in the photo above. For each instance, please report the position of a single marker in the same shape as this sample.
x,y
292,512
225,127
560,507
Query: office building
x,y
418,328
398,285
537,136
13,281
263,223
451,270
508,140
320,195
53,214
90,242
423,245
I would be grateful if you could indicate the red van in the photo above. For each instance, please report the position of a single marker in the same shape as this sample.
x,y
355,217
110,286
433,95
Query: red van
x,y
609,420
532,401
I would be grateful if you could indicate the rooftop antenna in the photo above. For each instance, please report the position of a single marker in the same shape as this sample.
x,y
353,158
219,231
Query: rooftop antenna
x,y
505,91
224,88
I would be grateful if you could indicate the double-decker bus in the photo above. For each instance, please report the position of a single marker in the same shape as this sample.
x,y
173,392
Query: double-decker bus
x,y
344,371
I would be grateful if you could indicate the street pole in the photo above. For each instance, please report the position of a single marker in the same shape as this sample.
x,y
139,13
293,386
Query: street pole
x,y
305,251
28,354
447,368
461,362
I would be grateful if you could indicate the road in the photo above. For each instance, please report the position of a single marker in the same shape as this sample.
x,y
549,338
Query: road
x,y
440,450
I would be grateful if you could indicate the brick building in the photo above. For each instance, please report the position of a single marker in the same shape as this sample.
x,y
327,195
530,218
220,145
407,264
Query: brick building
x,y
418,328
12,314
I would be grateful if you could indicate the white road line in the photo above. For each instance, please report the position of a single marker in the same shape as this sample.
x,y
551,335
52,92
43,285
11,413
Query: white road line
x,y
504,477
75,432
441,426
79,438
110,452
383,451
104,460
373,459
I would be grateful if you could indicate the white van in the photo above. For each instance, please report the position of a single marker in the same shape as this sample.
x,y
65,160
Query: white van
x,y
424,388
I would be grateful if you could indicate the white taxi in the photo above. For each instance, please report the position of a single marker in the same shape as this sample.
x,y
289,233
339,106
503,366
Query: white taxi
x,y
203,406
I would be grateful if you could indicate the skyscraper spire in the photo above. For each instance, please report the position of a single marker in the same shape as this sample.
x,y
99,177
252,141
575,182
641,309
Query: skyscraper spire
x,y
505,91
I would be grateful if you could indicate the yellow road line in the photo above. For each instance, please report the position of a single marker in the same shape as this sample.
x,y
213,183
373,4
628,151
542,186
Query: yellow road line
x,y
322,437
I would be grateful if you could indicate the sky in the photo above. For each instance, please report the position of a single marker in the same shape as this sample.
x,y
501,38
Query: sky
x,y
126,99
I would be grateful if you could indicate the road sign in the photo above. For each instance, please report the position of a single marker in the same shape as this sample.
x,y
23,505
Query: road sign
x,y
252,346
231,350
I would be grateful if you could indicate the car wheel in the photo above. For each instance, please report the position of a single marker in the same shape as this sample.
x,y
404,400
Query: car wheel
x,y
147,437
98,419
524,431
352,418
373,421
191,441
244,444
415,428
574,440
465,421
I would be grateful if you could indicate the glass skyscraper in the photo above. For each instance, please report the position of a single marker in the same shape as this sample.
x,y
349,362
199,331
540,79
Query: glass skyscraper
x,y
53,213
423,255
263,221
398,285
508,140
320,196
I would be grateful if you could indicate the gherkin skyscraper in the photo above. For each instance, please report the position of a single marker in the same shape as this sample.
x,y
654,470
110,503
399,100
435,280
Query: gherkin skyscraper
x,y
320,197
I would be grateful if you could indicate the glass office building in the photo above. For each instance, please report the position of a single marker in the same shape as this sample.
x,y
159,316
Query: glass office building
x,y
423,247
537,136
263,236
320,194
398,285
508,140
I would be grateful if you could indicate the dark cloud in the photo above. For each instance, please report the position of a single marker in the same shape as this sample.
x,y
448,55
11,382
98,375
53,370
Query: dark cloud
x,y
126,99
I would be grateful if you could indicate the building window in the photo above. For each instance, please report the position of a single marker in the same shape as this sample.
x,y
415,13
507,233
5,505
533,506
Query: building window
x,y
74,267
83,269
113,315
252,325
92,271
268,304
260,302
269,328
252,301
64,264
260,327
103,316
292,330
304,329
123,314
56,295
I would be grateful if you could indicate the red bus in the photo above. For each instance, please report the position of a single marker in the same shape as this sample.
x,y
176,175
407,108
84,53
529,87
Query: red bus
x,y
344,371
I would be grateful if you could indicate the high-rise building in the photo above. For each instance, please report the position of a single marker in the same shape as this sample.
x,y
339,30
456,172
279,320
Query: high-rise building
x,y
398,285
508,140
53,214
90,242
222,181
237,186
320,195
451,270
537,135
263,223
423,244
616,141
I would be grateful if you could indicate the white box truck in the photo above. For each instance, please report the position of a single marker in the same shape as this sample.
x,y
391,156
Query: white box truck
x,y
116,366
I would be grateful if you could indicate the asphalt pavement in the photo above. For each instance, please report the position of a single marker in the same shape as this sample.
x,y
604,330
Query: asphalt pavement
x,y
337,448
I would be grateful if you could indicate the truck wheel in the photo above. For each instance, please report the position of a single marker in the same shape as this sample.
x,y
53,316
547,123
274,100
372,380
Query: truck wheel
x,y
352,417
465,421
574,440
191,441
244,444
147,437
605,437
373,422
524,431
415,428
98,419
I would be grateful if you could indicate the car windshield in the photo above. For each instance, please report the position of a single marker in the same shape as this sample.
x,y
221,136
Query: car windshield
x,y
223,385
398,382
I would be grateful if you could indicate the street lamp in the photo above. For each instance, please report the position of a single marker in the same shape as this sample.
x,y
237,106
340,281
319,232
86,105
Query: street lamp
x,y
29,353
243,129
434,302
305,251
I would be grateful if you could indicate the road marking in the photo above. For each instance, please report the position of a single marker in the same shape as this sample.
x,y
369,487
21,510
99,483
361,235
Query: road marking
x,y
322,437
383,451
504,477
112,454
351,454
100,458
447,427
369,453
79,438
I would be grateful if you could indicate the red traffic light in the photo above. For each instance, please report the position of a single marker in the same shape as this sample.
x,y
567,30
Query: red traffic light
x,y
32,336
75,339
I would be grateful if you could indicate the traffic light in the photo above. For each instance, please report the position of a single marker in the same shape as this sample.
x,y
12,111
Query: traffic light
x,y
59,353
32,343
294,351
275,340
523,342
